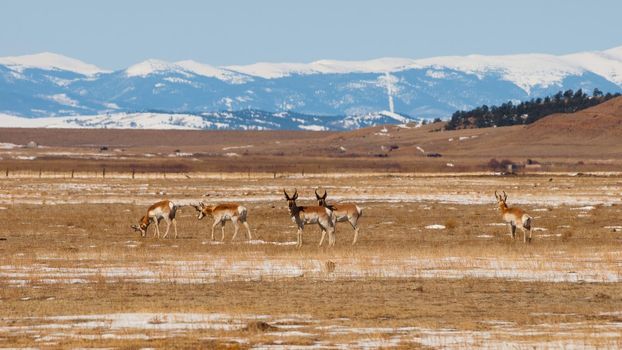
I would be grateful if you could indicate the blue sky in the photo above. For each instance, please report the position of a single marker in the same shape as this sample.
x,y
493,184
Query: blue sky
x,y
114,34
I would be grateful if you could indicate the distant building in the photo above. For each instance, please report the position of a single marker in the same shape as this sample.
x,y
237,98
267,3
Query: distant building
x,y
511,168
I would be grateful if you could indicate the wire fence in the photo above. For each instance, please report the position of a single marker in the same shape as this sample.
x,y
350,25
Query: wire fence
x,y
104,173
133,174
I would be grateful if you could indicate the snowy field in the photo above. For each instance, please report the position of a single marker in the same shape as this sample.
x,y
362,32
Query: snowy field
x,y
435,266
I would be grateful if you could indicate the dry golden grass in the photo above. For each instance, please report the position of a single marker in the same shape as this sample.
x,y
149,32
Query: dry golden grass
x,y
69,251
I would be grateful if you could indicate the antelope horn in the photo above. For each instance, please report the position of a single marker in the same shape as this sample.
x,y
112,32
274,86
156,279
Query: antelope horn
x,y
505,196
317,195
496,195
286,196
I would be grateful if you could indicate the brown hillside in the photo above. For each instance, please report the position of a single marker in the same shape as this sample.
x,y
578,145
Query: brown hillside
x,y
593,133
599,122
589,138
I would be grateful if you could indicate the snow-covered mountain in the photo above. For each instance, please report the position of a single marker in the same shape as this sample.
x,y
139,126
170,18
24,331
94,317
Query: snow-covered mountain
x,y
50,61
238,120
342,94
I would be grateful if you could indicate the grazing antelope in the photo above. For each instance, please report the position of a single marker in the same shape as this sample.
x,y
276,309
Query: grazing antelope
x,y
161,210
222,213
302,215
343,212
514,217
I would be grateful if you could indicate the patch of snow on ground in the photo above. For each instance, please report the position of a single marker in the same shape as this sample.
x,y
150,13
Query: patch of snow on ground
x,y
259,241
5,145
572,269
585,208
435,227
237,147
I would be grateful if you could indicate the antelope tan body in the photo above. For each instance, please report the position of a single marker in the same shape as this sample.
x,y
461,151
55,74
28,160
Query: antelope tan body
x,y
514,217
343,212
157,212
225,212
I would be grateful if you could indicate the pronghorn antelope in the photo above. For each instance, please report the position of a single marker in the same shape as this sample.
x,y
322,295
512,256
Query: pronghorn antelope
x,y
161,210
302,215
222,213
343,212
514,217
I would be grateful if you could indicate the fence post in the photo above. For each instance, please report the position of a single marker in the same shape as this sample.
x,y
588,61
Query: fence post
x,y
133,173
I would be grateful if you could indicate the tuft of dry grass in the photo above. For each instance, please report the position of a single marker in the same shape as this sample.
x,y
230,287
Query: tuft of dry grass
x,y
259,326
450,224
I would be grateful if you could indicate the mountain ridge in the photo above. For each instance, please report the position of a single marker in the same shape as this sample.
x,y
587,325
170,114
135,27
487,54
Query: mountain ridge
x,y
47,85
270,70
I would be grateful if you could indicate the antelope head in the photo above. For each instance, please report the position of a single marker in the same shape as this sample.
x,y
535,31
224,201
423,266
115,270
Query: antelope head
x,y
201,209
321,200
291,201
142,226
501,199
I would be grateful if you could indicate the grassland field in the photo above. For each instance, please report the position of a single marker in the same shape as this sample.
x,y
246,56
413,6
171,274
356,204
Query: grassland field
x,y
435,267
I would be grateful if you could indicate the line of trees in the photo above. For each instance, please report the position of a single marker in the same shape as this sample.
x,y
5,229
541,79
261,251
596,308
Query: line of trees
x,y
526,112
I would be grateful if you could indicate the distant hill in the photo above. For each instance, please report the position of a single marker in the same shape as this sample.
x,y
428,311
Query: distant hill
x,y
590,134
526,112
237,120
587,140
598,124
